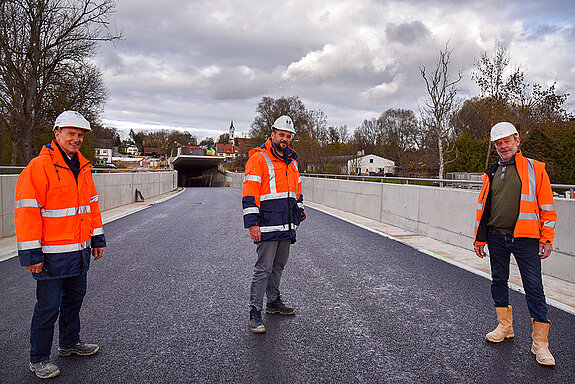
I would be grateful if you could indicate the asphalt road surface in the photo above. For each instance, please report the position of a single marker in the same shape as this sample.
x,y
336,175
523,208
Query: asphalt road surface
x,y
168,304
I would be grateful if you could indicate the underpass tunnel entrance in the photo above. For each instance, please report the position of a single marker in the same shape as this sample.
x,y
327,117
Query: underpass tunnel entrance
x,y
204,178
199,171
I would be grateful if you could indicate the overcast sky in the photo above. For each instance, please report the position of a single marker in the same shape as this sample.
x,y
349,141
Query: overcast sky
x,y
197,65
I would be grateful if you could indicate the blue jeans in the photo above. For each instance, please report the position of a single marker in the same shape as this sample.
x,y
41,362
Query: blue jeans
x,y
526,252
55,297
272,258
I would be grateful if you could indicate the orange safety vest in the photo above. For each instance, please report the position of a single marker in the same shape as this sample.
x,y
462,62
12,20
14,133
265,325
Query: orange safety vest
x,y
57,218
537,216
272,193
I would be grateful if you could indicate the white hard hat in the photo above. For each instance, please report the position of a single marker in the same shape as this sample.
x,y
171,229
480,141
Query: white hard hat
x,y
501,130
284,123
72,119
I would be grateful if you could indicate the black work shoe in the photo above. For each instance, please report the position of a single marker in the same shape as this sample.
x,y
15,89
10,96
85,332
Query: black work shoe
x,y
256,323
279,308
80,349
45,369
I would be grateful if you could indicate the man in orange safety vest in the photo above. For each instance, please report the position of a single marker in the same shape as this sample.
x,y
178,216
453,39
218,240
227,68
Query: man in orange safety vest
x,y
273,209
516,214
58,227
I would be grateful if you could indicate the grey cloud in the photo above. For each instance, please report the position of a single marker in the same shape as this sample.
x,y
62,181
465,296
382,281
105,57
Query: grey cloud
x,y
407,33
239,83
539,32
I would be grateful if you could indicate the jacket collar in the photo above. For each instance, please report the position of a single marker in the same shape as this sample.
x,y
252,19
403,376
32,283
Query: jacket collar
x,y
518,158
57,158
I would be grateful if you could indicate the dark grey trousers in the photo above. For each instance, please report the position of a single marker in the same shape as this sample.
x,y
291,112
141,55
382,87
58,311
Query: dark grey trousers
x,y
272,258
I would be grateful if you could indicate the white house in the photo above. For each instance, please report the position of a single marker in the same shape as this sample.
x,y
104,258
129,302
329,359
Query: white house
x,y
370,163
133,150
104,154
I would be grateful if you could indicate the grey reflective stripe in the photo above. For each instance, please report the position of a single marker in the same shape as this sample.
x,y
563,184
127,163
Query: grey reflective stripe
x,y
476,224
300,205
65,248
531,172
272,173
94,198
26,203
281,195
98,231
250,210
527,198
480,206
65,212
548,207
528,216
255,178
550,224
26,245
277,228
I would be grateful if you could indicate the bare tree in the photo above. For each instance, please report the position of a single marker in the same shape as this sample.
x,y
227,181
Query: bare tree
x,y
490,73
402,133
506,95
310,141
43,45
269,109
368,137
440,105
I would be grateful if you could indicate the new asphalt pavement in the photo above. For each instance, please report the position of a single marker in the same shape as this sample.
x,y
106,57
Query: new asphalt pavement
x,y
168,304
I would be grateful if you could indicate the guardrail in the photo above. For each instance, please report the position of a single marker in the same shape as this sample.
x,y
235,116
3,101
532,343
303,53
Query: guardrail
x,y
17,169
434,181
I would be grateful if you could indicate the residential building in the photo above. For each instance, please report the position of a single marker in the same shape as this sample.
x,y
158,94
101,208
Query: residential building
x,y
227,150
132,150
363,165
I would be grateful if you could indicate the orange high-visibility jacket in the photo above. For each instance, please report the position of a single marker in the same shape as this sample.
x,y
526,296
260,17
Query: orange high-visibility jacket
x,y
537,216
272,193
57,220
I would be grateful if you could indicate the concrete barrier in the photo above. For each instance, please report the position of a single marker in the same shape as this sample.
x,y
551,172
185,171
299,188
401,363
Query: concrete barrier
x,y
114,189
445,214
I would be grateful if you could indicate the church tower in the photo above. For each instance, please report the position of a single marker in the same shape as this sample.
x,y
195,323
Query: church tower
x,y
232,134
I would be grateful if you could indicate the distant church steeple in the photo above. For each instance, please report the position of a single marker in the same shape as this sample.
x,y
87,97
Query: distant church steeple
x,y
232,134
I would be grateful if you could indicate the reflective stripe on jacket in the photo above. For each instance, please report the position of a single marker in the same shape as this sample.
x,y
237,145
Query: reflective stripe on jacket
x,y
537,214
272,193
57,219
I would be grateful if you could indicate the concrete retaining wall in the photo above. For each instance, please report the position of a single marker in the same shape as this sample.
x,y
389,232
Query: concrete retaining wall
x,y
114,189
445,214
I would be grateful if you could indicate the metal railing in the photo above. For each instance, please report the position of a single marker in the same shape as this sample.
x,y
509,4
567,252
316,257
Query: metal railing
x,y
8,169
425,181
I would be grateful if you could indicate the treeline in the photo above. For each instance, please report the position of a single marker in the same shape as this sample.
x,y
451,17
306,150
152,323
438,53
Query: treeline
x,y
401,136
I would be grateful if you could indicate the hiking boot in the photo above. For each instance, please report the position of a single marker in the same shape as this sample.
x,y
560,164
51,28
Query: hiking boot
x,y
256,323
45,369
279,308
80,349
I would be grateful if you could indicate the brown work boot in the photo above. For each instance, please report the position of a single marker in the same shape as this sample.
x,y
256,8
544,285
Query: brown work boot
x,y
504,329
540,345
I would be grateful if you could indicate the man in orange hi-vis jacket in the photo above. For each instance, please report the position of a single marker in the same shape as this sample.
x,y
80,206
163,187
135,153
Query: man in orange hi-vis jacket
x,y
273,209
58,226
516,214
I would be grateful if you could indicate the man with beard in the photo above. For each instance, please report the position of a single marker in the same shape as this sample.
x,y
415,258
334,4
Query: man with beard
x,y
516,214
272,209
